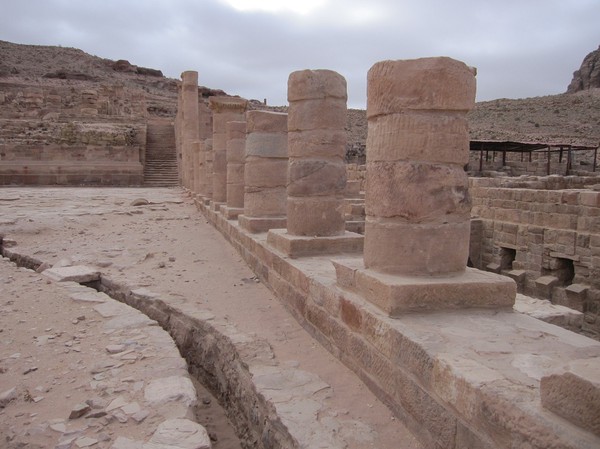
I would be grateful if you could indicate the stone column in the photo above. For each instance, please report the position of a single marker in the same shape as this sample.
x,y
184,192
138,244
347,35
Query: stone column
x,y
178,133
265,172
225,109
189,129
316,171
195,184
236,143
205,131
207,181
316,145
417,200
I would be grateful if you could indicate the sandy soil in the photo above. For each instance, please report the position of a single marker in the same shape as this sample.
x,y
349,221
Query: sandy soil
x,y
167,247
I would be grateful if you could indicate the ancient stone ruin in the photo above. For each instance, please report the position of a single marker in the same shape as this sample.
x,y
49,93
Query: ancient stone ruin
x,y
408,270
406,313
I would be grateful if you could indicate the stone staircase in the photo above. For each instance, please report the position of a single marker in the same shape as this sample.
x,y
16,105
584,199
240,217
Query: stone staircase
x,y
160,169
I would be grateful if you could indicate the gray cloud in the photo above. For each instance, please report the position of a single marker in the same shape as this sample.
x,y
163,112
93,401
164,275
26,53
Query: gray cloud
x,y
521,48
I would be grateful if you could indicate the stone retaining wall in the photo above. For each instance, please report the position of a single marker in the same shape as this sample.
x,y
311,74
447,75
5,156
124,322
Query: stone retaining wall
x,y
65,135
547,239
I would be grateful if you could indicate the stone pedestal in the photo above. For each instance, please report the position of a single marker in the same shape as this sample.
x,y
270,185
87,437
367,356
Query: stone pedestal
x,y
417,202
189,125
225,109
316,169
265,172
235,154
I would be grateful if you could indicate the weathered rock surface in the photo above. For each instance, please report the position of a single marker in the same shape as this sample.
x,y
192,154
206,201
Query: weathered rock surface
x,y
588,75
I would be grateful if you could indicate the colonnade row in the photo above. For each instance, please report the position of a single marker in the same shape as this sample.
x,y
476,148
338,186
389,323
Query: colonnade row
x,y
285,174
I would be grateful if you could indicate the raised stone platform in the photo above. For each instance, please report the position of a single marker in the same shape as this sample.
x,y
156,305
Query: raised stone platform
x,y
396,294
256,225
299,246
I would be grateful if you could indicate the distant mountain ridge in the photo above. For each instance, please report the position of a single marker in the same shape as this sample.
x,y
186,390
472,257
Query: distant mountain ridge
x,y
572,118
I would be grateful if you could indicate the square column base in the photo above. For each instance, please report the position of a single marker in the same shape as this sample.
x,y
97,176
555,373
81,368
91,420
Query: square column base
x,y
299,246
215,206
256,225
203,199
396,295
231,213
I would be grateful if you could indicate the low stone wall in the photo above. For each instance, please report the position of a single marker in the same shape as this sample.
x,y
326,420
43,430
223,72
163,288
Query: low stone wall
x,y
458,379
547,239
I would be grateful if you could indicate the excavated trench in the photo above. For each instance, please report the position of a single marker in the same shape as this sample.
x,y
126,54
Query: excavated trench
x,y
214,364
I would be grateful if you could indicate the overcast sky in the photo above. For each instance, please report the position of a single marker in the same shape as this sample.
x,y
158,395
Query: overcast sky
x,y
521,48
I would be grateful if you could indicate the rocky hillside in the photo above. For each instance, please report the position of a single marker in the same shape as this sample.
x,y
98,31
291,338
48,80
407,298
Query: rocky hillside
x,y
572,118
40,66
588,75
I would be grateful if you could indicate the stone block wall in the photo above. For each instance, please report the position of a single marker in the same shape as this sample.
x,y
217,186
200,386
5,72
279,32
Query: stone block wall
x,y
71,135
547,239
357,172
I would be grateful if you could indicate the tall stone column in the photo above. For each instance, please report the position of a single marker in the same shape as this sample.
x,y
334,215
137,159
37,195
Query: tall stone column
x,y
265,172
189,128
417,200
316,171
316,144
195,166
207,181
205,131
225,109
235,149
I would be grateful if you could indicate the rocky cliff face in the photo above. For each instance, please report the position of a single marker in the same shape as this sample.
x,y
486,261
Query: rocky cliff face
x,y
588,75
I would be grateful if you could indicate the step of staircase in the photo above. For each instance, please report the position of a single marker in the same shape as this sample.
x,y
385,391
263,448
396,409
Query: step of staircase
x,y
160,169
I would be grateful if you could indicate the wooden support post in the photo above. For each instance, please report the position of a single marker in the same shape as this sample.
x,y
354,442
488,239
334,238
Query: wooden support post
x,y
569,160
480,157
548,163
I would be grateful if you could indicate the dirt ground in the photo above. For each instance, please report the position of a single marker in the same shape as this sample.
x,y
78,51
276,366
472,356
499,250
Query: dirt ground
x,y
165,246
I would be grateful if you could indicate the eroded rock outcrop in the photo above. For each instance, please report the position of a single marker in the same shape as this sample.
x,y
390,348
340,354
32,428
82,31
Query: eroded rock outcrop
x,y
588,75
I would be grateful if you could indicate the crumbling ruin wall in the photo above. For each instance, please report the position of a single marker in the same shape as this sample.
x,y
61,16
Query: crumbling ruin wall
x,y
545,234
71,135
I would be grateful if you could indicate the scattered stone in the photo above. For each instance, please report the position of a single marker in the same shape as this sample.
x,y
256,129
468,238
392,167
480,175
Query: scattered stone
x,y
43,266
140,202
116,403
131,408
8,396
140,416
120,416
30,370
59,427
174,388
115,349
85,442
181,433
8,243
78,273
79,410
